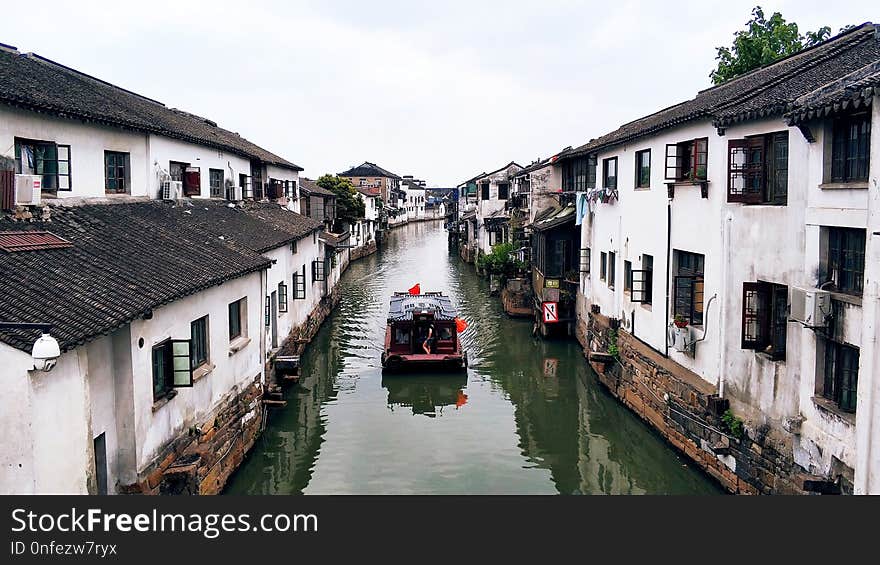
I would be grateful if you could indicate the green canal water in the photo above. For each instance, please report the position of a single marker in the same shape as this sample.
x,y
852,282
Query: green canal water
x,y
529,417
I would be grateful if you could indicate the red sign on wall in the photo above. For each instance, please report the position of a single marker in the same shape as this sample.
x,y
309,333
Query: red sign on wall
x,y
551,312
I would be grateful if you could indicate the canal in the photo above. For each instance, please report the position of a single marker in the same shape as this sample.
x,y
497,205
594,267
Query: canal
x,y
528,417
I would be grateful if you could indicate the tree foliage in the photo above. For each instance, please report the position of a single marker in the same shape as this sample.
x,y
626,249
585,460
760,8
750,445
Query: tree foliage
x,y
349,207
764,41
500,261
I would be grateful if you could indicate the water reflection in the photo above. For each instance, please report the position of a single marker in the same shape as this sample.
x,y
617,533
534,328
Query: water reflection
x,y
528,417
427,395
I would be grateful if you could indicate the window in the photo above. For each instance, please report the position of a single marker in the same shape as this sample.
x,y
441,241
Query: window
x,y
841,375
198,333
643,169
765,318
603,266
238,319
484,191
643,281
117,170
609,173
579,174
245,184
757,169
282,297
627,276
687,161
585,260
293,247
688,286
299,284
215,178
268,313
318,270
845,264
850,147
503,191
401,336
44,158
611,269
171,367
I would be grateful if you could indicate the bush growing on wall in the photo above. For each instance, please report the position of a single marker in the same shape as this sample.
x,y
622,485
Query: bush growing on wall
x,y
500,261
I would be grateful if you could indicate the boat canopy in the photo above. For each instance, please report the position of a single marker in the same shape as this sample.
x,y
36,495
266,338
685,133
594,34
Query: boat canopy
x,y
404,305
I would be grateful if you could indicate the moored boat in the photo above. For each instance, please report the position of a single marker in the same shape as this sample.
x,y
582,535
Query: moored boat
x,y
422,333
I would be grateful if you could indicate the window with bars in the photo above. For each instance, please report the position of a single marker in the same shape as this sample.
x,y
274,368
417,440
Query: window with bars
x,y
215,182
765,318
198,333
318,270
172,367
643,168
841,375
688,286
609,173
688,160
299,284
850,148
757,169
282,297
117,172
642,281
845,263
47,159
585,260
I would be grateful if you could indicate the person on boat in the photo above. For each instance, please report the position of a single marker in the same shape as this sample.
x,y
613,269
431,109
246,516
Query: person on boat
x,y
429,340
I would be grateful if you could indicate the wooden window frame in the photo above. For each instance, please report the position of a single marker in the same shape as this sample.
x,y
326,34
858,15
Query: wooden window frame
x,y
216,191
846,256
319,272
639,181
174,374
765,318
125,168
61,181
603,266
282,297
506,186
688,287
200,330
848,163
238,307
299,284
612,266
688,161
841,374
627,276
757,169
585,260
605,178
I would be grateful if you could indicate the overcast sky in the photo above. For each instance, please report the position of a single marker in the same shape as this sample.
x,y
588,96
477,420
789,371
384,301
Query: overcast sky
x,y
440,90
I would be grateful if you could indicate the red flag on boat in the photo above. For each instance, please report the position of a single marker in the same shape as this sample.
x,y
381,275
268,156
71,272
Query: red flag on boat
x,y
416,289
460,325
461,399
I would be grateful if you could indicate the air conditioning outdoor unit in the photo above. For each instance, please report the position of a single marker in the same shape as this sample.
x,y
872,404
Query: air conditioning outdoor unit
x,y
172,189
28,189
810,306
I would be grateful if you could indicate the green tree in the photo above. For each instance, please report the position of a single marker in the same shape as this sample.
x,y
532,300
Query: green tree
x,y
761,43
349,207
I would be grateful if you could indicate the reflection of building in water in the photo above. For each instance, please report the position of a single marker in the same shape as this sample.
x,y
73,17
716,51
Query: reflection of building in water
x,y
427,394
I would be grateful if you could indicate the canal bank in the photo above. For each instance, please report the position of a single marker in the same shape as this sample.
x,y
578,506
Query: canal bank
x,y
528,417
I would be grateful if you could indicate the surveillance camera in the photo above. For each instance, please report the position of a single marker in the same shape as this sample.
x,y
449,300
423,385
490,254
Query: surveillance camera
x,y
45,353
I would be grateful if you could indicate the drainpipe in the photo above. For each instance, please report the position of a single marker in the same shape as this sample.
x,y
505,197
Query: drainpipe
x,y
725,245
668,270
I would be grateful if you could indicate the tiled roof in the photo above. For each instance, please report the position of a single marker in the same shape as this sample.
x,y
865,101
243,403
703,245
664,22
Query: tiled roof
x,y
126,260
368,170
35,83
851,91
368,191
534,167
764,92
310,186
554,218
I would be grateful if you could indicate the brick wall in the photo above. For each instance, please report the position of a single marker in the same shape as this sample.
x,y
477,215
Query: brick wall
x,y
364,250
686,411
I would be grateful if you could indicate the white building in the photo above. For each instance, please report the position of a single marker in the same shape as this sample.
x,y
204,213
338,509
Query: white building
x,y
727,214
492,217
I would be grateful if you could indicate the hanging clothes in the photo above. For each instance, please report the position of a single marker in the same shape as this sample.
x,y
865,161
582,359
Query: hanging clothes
x,y
581,207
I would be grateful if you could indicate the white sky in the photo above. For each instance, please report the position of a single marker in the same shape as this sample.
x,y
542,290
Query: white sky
x,y
440,90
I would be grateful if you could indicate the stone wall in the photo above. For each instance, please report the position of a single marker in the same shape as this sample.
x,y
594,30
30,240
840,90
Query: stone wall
x,y
202,460
367,249
687,412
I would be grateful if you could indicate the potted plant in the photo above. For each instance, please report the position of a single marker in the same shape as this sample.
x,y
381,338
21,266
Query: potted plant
x,y
679,321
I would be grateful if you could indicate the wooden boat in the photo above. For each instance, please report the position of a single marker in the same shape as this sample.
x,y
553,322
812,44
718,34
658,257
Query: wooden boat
x,y
409,318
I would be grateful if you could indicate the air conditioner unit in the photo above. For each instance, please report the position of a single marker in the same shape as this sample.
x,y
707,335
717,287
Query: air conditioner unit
x,y
28,189
172,189
810,306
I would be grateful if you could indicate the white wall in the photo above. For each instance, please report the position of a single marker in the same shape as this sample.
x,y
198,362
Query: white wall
x,y
87,145
163,150
46,444
232,371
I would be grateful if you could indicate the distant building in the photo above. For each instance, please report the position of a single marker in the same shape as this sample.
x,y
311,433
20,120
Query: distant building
x,y
370,175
